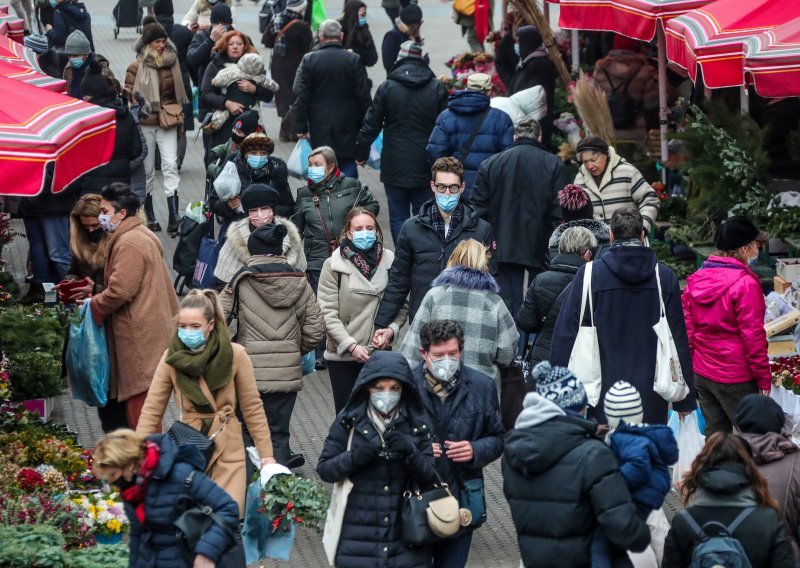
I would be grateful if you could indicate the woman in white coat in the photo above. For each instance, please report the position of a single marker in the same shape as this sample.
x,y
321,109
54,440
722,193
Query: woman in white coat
x,y
351,286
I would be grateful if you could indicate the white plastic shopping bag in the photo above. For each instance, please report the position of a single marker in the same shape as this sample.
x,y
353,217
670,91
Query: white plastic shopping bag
x,y
584,360
690,443
228,184
297,164
335,518
669,382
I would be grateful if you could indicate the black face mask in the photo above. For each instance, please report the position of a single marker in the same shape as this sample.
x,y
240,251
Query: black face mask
x,y
96,236
123,484
236,138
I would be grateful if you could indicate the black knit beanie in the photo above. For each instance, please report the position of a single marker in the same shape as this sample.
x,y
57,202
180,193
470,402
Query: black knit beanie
x,y
267,239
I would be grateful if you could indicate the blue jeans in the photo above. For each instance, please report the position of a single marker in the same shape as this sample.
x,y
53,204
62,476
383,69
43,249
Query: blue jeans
x,y
349,168
453,552
401,201
48,239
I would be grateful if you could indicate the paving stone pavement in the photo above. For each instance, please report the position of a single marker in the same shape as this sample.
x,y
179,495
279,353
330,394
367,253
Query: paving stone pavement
x,y
494,544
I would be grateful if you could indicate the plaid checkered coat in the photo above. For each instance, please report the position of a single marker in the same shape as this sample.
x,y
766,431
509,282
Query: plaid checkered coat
x,y
471,298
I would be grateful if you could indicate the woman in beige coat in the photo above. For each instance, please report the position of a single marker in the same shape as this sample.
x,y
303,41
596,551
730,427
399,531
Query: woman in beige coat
x,y
210,377
351,286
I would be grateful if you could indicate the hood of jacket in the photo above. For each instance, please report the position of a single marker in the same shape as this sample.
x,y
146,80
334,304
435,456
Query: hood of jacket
x,y
631,264
383,365
725,479
468,102
715,277
239,232
169,454
280,284
599,229
769,447
465,277
536,410
413,73
660,434
536,449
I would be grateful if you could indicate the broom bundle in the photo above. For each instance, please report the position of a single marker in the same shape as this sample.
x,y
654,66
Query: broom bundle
x,y
532,14
592,105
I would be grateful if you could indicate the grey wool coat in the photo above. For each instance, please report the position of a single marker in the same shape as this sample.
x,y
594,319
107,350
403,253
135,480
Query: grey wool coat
x,y
471,298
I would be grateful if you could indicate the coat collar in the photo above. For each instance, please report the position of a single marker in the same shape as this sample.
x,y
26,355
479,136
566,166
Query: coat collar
x,y
470,278
358,284
614,160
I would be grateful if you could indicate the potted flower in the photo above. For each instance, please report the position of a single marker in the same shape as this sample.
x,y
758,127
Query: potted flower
x,y
104,513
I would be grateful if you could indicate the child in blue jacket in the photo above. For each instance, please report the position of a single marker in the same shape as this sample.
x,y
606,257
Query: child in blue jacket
x,y
644,453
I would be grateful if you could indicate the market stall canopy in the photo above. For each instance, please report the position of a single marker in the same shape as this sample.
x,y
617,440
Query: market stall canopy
x,y
14,52
10,25
42,126
32,77
632,18
772,61
713,37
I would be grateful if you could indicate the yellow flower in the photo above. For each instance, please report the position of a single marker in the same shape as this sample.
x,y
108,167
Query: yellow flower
x,y
110,502
114,525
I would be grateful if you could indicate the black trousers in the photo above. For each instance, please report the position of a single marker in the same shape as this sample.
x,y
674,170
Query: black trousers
x,y
113,415
279,407
343,376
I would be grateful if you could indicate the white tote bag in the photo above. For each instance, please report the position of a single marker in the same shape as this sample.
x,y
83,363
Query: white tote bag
x,y
584,360
669,381
335,518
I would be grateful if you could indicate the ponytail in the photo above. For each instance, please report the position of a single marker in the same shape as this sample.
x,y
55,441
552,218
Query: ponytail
x,y
208,301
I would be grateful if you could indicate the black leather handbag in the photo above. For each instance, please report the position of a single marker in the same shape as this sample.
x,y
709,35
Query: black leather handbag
x,y
183,434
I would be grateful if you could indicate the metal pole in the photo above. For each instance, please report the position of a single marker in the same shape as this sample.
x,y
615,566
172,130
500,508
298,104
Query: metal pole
x,y
576,54
663,112
744,100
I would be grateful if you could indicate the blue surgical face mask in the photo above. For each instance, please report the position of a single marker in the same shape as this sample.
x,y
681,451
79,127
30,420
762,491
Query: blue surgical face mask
x,y
53,3
316,173
516,49
77,62
257,162
447,202
105,223
362,21
192,338
384,401
364,240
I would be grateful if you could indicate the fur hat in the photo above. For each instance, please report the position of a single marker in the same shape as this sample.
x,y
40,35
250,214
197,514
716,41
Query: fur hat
x,y
575,203
256,141
153,31
77,44
623,403
267,239
259,195
560,386
221,14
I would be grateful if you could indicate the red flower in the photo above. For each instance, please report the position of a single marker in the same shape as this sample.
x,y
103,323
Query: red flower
x,y
298,520
29,479
290,505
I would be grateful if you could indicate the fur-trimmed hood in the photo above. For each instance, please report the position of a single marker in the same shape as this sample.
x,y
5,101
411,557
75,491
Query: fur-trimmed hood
x,y
599,229
470,278
239,232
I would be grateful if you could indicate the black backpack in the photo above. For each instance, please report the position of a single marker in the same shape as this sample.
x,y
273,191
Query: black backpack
x,y
268,11
622,105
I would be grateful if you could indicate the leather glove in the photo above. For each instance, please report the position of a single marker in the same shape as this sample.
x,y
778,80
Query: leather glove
x,y
365,454
400,443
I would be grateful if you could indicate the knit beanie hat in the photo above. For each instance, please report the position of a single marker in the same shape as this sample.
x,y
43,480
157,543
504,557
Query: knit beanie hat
x,y
575,203
153,31
247,122
737,231
759,414
36,43
267,239
97,86
221,14
560,386
259,195
410,48
298,6
623,402
256,141
77,44
529,40
411,14
593,143
163,8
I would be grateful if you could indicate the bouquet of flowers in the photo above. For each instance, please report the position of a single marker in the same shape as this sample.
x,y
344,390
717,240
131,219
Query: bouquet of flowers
x,y
288,499
786,373
463,65
103,512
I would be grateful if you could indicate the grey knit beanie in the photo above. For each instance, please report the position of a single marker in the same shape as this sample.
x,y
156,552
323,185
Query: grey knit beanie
x,y
77,44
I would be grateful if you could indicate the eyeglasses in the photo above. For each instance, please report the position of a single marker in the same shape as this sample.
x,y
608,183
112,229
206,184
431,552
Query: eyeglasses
x,y
441,188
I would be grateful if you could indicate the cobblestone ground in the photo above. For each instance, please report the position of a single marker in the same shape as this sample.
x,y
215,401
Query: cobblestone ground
x,y
494,544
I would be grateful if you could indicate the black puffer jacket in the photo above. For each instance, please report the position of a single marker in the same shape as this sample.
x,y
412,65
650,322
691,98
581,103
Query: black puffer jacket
x,y
329,78
562,484
371,532
471,412
422,254
543,300
516,191
724,491
406,107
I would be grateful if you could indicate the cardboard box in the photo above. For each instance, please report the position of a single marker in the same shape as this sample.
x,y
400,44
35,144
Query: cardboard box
x,y
789,268
783,323
780,285
780,345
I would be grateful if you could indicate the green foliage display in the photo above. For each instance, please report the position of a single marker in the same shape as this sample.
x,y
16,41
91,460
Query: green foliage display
x,y
784,221
42,546
291,498
101,556
31,328
35,375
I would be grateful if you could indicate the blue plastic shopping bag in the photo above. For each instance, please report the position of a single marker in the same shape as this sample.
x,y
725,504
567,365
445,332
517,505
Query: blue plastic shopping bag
x,y
375,151
87,359
308,362
258,538
206,263
297,164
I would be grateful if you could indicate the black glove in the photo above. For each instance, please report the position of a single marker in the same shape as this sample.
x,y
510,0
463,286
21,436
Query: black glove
x,y
365,454
399,443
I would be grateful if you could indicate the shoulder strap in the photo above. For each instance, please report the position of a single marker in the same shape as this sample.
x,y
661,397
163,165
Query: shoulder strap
x,y
623,84
284,28
462,154
660,294
587,291
315,199
229,528
740,519
695,528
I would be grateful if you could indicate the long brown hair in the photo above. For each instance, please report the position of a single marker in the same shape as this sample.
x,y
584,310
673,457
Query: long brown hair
x,y
360,211
222,43
720,448
83,250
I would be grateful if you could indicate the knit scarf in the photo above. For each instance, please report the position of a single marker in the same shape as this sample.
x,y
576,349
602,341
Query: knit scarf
x,y
438,221
214,363
366,261
442,388
147,83
135,493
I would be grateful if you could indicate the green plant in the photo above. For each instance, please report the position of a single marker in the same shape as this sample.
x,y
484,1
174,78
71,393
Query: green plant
x,y
681,268
692,233
784,221
106,556
35,375
289,498
31,328
32,546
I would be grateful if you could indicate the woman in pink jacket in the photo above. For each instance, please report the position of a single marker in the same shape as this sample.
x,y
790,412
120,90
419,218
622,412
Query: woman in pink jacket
x,y
724,307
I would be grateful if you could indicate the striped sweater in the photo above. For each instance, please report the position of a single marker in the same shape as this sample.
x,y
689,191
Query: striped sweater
x,y
621,186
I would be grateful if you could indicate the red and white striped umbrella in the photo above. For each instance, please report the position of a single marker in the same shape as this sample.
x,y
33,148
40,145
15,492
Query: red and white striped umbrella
x,y
32,77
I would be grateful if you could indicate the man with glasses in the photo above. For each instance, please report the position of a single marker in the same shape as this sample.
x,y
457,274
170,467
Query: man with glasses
x,y
426,242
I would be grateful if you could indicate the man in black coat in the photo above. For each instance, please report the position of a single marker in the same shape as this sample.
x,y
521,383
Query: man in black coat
x,y
68,16
468,432
426,242
626,307
332,96
405,28
516,191
535,68
405,107
563,483
199,52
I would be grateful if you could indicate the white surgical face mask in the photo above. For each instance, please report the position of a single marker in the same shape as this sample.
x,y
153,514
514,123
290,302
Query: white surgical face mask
x,y
384,401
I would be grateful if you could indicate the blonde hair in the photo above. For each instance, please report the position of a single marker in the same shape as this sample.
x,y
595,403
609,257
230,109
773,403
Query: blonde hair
x,y
208,301
117,449
470,253
83,250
